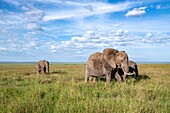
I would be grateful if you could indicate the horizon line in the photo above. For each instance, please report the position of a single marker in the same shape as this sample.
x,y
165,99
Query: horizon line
x,y
138,62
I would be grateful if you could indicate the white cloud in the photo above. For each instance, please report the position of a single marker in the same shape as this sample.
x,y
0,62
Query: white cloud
x,y
25,8
81,10
1,11
3,49
34,14
136,12
14,2
158,6
148,34
30,31
29,18
118,25
156,38
96,38
33,26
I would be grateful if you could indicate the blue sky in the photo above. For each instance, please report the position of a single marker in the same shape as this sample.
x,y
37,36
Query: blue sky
x,y
71,30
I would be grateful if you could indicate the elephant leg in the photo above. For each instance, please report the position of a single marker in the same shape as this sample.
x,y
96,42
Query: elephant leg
x,y
42,70
38,68
87,77
47,69
38,71
108,78
95,79
124,77
136,71
87,74
117,76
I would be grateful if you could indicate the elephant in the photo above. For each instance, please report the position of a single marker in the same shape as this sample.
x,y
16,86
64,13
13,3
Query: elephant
x,y
42,66
99,64
133,69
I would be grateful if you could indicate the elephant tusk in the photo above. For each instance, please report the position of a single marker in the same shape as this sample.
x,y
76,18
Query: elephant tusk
x,y
129,73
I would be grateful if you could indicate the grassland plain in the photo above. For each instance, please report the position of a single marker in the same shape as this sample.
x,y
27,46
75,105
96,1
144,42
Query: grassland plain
x,y
64,90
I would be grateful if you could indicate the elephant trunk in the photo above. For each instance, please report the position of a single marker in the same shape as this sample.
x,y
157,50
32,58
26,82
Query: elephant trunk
x,y
125,68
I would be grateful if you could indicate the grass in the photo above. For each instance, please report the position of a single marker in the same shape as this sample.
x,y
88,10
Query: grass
x,y
64,90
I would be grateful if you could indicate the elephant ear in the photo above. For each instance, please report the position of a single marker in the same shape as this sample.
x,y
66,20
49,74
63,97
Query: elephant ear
x,y
109,55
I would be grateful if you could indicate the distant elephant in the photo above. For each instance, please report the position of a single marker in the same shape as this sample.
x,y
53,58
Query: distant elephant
x,y
42,66
133,69
99,64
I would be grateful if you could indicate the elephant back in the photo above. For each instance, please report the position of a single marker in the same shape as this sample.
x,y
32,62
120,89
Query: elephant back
x,y
131,63
96,62
95,59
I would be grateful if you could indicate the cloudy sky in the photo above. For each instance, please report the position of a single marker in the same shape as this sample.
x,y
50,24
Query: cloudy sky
x,y
71,30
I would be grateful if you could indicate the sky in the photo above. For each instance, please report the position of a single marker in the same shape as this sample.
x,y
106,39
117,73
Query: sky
x,y
71,30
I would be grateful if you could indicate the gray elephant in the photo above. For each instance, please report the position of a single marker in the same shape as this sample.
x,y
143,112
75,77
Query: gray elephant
x,y
133,69
42,66
99,64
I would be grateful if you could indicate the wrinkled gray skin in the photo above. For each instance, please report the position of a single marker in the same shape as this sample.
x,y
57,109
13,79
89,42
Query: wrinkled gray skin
x,y
42,66
100,64
133,70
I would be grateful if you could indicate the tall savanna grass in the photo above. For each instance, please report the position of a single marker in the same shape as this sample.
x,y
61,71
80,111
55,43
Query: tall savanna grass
x,y
64,90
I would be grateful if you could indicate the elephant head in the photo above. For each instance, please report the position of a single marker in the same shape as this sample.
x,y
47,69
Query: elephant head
x,y
109,55
103,63
118,59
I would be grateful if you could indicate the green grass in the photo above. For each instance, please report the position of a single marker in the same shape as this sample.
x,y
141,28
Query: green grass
x,y
64,90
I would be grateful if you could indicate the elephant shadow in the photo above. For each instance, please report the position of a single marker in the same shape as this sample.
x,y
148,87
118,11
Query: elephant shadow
x,y
143,77
58,72
138,78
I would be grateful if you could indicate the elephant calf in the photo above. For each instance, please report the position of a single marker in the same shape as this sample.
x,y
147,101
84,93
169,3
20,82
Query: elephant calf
x,y
42,66
133,69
